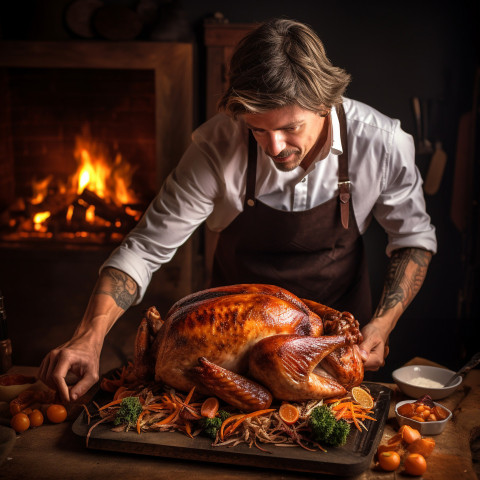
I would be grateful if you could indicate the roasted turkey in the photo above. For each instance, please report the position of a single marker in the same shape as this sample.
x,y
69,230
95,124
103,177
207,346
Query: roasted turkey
x,y
250,343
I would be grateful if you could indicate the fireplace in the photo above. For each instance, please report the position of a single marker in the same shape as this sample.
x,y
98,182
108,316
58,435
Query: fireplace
x,y
73,110
83,144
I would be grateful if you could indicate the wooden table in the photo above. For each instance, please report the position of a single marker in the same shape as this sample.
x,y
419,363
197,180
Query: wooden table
x,y
54,452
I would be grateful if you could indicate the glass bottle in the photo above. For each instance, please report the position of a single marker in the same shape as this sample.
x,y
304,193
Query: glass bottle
x,y
5,343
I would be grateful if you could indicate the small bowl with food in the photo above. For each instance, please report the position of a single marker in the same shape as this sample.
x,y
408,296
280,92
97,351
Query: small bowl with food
x,y
11,385
418,380
425,415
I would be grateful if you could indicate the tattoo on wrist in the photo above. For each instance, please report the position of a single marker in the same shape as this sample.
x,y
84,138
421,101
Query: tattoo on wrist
x,y
405,275
122,288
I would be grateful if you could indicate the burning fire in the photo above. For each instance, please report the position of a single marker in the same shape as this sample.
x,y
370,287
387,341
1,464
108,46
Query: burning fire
x,y
38,219
109,179
40,190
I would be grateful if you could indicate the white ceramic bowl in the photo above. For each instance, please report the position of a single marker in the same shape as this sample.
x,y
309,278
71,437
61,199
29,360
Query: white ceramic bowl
x,y
425,428
403,378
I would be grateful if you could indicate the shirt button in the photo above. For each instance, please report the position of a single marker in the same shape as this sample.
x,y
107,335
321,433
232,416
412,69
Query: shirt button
x,y
304,179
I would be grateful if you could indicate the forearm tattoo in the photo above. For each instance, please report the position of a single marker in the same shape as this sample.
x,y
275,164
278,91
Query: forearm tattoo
x,y
405,275
122,288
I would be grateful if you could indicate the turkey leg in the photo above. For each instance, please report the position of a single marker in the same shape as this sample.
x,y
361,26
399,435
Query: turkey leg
x,y
146,332
231,387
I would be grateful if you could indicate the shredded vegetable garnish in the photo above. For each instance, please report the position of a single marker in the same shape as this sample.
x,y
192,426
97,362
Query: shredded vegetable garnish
x,y
348,409
165,410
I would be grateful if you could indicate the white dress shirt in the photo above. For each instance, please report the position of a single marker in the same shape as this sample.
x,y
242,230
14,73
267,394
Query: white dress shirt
x,y
209,184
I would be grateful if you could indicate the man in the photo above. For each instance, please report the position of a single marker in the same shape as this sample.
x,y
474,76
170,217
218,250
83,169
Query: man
x,y
290,174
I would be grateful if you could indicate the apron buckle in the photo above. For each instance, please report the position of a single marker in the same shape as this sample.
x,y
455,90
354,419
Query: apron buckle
x,y
344,198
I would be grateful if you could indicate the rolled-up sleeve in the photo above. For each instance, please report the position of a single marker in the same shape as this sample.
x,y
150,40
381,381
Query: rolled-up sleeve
x,y
184,202
400,208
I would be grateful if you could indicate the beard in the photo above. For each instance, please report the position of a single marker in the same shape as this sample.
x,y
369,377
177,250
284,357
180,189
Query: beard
x,y
286,166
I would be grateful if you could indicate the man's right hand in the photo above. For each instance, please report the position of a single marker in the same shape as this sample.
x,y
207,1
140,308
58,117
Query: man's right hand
x,y
77,358
114,292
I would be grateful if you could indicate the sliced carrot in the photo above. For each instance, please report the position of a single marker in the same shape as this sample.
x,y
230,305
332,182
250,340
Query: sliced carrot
x,y
341,413
174,398
122,392
366,417
189,396
341,405
233,427
168,419
158,407
354,419
142,414
227,421
188,429
349,416
189,413
334,400
168,402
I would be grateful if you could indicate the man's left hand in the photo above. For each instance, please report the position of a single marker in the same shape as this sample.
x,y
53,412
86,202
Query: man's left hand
x,y
374,348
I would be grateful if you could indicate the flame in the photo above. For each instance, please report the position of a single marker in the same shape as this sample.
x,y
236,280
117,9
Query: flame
x,y
109,179
40,190
70,213
84,174
38,219
90,214
98,171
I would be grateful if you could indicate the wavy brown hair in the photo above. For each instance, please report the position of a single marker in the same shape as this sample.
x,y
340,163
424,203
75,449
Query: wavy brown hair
x,y
280,63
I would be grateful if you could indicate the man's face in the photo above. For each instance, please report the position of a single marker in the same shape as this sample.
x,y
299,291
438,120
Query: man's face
x,y
286,134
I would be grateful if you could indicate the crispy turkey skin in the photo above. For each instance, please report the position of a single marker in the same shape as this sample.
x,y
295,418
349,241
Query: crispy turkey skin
x,y
250,343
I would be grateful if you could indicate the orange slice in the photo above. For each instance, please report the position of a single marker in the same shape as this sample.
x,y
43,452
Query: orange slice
x,y
362,397
209,407
288,413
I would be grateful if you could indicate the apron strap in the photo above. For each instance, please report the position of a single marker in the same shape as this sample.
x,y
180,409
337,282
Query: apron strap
x,y
251,171
343,179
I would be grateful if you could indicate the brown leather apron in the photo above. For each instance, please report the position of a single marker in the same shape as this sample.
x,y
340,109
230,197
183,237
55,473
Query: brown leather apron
x,y
316,254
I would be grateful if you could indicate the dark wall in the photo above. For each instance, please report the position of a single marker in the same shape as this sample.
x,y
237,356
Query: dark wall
x,y
394,51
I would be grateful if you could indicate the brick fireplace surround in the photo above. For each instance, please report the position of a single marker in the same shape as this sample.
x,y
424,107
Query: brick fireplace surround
x,y
46,287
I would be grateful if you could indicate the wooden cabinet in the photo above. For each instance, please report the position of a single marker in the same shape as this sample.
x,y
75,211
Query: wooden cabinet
x,y
220,41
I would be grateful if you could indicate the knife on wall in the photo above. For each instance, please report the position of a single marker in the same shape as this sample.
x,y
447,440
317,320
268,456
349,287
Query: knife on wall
x,y
435,170
424,145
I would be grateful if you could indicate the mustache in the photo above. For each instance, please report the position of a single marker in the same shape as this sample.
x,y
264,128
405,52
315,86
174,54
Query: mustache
x,y
283,154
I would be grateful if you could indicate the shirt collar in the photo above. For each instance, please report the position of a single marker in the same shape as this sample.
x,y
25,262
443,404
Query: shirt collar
x,y
336,140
